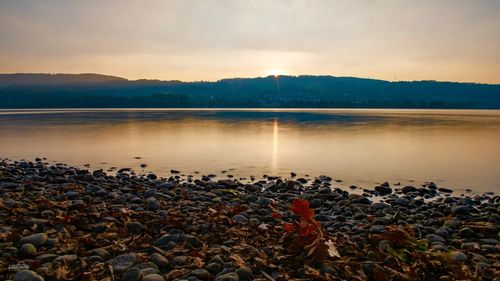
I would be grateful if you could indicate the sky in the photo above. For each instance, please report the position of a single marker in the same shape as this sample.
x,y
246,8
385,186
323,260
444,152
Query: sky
x,y
446,40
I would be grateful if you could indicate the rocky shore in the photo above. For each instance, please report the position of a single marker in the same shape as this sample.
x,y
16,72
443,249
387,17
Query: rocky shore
x,y
64,223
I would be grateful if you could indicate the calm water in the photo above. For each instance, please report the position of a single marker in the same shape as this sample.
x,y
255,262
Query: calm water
x,y
454,148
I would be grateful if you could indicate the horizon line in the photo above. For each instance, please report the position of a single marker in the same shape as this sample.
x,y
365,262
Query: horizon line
x,y
248,77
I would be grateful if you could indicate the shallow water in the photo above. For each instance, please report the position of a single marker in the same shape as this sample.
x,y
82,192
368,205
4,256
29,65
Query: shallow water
x,y
457,149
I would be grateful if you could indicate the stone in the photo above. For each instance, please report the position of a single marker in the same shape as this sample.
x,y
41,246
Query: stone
x,y
167,238
160,261
239,218
213,267
135,227
132,274
231,276
201,274
460,210
315,203
435,238
37,239
123,262
27,275
153,277
152,204
245,273
466,233
193,241
458,256
408,189
28,249
383,189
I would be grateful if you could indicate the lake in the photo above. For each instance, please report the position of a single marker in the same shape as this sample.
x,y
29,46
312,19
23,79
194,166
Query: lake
x,y
457,149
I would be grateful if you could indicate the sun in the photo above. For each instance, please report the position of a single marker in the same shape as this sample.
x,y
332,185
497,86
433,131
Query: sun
x,y
275,72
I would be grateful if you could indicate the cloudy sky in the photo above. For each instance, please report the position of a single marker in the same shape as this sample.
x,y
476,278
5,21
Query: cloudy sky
x,y
455,40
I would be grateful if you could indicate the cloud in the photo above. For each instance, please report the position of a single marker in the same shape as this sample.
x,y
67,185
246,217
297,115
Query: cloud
x,y
183,39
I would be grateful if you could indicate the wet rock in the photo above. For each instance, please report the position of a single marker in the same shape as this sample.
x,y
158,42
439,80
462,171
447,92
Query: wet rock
x,y
408,189
383,189
460,210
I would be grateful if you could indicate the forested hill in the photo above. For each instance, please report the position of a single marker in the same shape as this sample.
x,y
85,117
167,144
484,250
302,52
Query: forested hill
x,y
94,90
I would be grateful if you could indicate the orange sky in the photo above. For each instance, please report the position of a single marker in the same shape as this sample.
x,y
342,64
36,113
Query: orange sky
x,y
454,40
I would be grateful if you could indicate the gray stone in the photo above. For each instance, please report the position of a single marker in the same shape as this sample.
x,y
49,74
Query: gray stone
x,y
153,277
214,267
28,249
240,218
435,238
460,210
466,233
180,260
167,238
245,273
231,276
315,203
200,273
123,262
152,204
132,274
160,261
458,256
135,227
37,239
383,189
27,275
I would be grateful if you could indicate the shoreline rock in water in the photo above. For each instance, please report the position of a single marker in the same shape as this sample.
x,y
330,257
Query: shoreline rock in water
x,y
69,223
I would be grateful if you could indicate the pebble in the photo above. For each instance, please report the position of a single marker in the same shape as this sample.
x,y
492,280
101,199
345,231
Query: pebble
x,y
123,262
231,276
201,274
27,275
37,239
458,256
28,249
132,274
245,273
159,261
466,233
153,277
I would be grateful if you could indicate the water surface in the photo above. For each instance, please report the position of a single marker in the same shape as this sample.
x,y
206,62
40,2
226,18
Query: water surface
x,y
458,149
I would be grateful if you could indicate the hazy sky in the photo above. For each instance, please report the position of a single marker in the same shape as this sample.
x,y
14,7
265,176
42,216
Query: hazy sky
x,y
457,40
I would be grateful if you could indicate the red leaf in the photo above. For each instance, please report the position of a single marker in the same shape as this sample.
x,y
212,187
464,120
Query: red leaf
x,y
301,208
289,227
